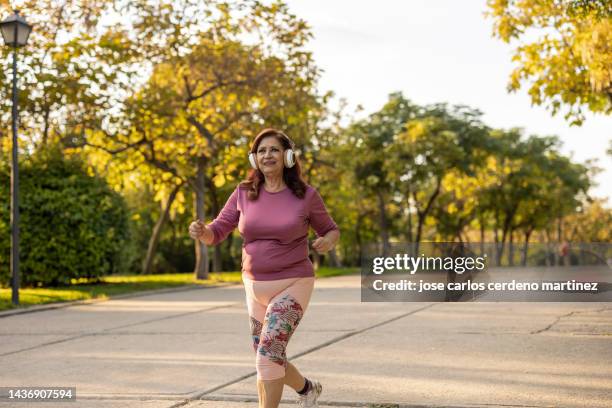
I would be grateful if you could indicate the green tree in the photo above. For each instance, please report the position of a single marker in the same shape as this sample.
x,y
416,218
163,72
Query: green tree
x,y
441,144
591,223
72,224
73,68
563,52
368,139
534,185
198,107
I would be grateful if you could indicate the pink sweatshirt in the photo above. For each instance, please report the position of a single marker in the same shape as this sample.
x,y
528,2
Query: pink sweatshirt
x,y
274,229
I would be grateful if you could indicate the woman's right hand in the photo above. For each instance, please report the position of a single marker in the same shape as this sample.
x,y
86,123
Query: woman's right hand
x,y
197,230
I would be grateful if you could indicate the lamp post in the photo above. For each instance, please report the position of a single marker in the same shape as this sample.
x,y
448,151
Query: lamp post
x,y
15,32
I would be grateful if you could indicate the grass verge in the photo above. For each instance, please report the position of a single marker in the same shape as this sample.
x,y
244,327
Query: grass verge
x,y
110,286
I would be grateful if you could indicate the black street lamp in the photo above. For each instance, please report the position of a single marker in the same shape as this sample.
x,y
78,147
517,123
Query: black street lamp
x,y
15,32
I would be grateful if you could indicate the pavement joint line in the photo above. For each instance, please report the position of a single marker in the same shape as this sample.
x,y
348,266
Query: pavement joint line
x,y
230,398
356,404
310,350
168,317
558,318
85,302
355,332
131,333
133,396
147,397
101,332
107,330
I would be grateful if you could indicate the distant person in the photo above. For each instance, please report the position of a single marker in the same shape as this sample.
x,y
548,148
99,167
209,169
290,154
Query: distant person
x,y
564,250
273,209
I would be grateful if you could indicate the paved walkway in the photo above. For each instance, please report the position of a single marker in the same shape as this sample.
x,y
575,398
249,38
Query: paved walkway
x,y
192,349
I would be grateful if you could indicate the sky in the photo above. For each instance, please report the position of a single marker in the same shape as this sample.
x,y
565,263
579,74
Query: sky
x,y
436,51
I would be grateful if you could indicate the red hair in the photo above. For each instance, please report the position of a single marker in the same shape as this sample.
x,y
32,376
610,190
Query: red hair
x,y
292,176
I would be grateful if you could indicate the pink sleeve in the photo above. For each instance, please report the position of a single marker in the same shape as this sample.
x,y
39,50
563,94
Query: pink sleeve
x,y
227,219
320,219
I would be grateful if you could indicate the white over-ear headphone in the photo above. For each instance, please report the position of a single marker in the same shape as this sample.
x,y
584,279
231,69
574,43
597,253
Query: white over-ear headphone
x,y
288,157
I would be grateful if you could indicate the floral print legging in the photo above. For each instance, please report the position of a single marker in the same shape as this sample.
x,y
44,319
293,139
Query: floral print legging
x,y
275,309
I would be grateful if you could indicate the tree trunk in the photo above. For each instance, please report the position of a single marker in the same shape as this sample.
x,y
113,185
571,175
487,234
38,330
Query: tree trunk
x,y
384,229
551,254
511,249
154,240
358,239
421,215
496,238
334,260
45,137
410,236
507,228
563,259
316,259
482,237
526,247
216,263
417,241
201,266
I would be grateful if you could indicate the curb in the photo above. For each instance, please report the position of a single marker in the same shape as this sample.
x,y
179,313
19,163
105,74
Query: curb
x,y
59,305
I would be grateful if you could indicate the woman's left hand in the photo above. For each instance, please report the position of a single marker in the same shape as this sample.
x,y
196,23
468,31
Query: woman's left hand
x,y
322,245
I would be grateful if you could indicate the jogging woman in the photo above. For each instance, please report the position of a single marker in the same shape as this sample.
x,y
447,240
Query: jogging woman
x,y
273,209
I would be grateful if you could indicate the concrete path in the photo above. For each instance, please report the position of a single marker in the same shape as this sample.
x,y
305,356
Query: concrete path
x,y
193,349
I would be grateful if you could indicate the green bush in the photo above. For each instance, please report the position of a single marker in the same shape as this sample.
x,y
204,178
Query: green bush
x,y
72,225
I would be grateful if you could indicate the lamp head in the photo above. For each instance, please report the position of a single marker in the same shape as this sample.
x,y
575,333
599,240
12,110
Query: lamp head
x,y
15,30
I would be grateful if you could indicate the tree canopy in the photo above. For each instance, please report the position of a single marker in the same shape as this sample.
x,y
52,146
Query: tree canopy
x,y
562,52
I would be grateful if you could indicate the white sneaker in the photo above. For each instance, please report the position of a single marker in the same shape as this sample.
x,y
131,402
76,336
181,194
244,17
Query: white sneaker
x,y
309,400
